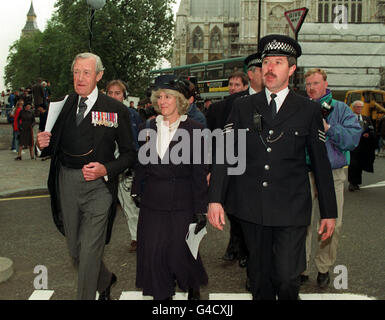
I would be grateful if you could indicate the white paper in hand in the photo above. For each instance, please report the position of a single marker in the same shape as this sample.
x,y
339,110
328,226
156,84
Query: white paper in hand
x,y
53,113
193,240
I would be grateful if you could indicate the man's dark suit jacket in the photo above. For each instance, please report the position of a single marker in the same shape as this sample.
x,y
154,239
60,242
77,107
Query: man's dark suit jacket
x,y
104,146
274,190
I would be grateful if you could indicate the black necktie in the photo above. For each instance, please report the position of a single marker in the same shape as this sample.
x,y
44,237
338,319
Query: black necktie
x,y
82,109
273,105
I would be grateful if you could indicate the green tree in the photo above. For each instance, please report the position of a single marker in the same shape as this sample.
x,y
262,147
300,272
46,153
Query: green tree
x,y
23,62
130,36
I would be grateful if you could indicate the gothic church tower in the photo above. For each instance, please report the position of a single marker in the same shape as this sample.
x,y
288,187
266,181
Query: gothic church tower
x,y
30,26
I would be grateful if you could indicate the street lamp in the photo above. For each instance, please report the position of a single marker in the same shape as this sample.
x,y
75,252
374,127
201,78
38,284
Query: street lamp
x,y
40,50
95,5
259,22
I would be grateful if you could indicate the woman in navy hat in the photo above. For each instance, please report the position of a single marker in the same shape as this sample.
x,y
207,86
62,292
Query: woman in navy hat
x,y
171,197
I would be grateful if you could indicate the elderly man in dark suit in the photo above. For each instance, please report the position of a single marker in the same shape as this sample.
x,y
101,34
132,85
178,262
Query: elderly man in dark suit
x,y
362,157
273,194
83,176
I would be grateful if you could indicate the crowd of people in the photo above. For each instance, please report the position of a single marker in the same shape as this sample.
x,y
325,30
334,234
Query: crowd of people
x,y
20,107
296,149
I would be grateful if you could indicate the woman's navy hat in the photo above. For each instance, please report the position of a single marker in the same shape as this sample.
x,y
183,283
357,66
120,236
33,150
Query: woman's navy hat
x,y
279,45
254,60
172,82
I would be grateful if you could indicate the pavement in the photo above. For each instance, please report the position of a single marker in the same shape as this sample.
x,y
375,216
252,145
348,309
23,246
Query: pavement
x,y
22,178
17,179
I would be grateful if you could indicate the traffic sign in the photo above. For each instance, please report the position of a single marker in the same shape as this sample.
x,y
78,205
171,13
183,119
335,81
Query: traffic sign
x,y
296,17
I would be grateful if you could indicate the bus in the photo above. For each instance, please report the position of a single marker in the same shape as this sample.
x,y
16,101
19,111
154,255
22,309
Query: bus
x,y
374,102
211,77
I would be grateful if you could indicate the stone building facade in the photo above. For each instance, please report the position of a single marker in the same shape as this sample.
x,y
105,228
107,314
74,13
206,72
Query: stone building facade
x,y
346,37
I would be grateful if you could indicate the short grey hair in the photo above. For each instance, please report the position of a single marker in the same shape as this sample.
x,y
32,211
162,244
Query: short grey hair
x,y
86,55
357,102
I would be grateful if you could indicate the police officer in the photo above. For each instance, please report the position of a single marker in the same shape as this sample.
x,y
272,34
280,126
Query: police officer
x,y
216,118
273,194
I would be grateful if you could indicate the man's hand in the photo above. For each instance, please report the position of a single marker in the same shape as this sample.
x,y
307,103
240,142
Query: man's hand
x,y
93,171
216,215
329,225
43,139
326,125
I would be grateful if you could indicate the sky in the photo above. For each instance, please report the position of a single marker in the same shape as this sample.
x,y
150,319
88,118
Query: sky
x,y
13,19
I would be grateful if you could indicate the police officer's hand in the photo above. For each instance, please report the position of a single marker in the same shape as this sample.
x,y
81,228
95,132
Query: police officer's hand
x,y
216,215
200,220
329,225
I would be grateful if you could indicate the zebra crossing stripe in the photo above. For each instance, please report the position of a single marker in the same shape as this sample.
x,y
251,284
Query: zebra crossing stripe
x,y
138,295
230,296
334,296
376,185
41,295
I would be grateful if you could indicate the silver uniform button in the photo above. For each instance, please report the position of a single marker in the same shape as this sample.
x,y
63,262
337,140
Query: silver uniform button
x,y
271,132
265,184
296,133
267,167
268,149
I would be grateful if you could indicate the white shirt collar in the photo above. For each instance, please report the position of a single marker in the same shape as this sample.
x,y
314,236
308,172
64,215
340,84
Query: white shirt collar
x,y
159,119
251,91
91,99
281,96
165,133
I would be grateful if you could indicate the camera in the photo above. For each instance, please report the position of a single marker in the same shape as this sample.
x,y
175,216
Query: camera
x,y
326,109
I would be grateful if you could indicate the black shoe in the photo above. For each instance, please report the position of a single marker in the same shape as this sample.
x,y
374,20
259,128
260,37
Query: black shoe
x,y
351,187
105,295
243,262
356,187
194,294
304,279
323,280
18,158
229,256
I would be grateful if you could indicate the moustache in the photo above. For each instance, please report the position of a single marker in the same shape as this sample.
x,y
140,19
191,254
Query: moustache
x,y
270,74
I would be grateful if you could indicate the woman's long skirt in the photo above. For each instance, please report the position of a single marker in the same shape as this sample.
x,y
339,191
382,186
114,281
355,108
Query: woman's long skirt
x,y
163,257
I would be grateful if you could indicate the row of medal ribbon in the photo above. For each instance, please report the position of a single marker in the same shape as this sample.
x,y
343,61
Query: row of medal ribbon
x,y
108,119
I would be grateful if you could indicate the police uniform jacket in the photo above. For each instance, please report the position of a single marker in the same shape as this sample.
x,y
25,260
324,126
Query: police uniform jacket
x,y
104,138
274,189
219,111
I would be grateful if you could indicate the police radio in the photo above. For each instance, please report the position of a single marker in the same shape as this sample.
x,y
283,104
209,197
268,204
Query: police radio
x,y
257,119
